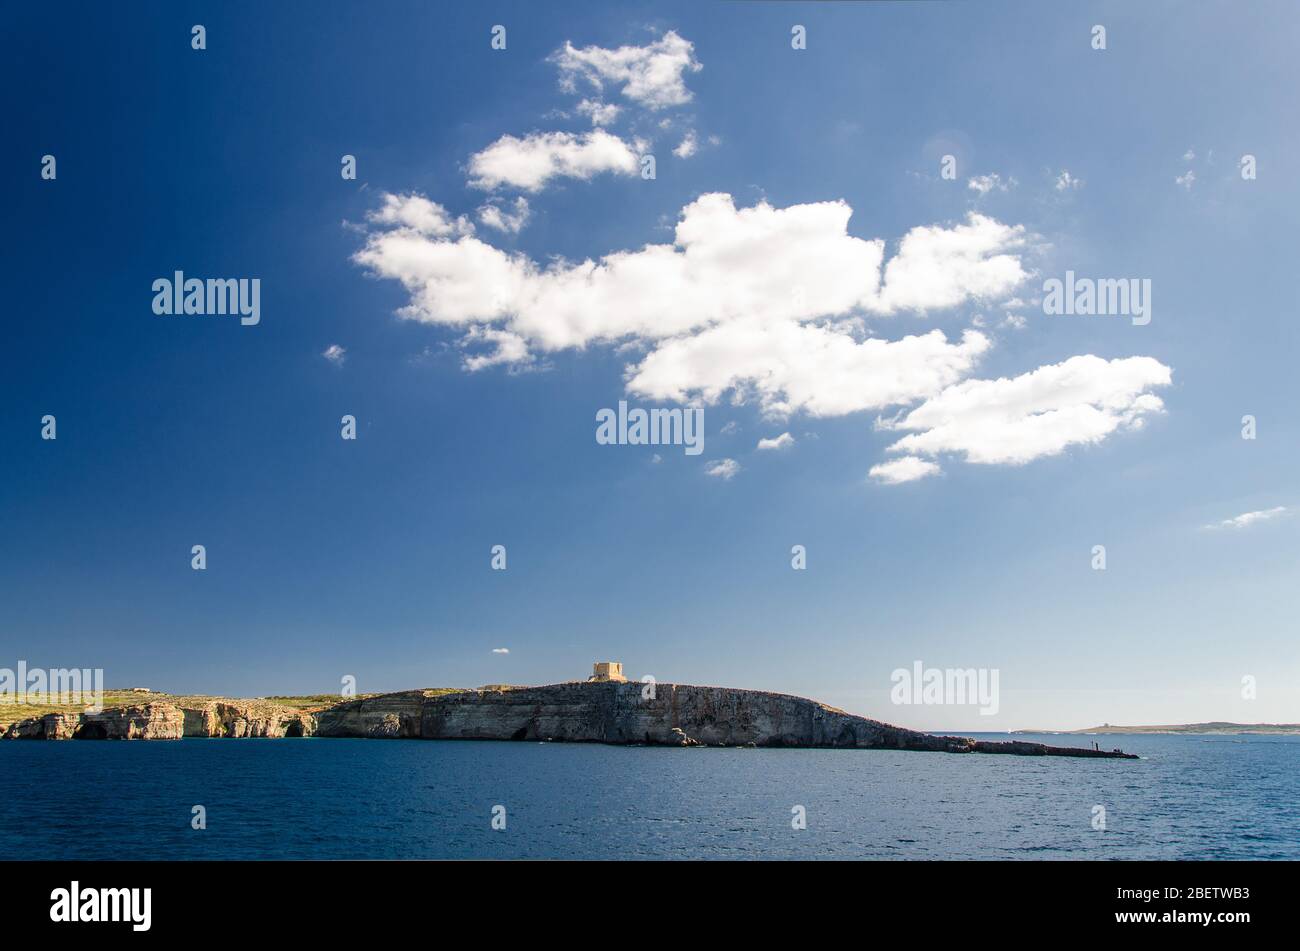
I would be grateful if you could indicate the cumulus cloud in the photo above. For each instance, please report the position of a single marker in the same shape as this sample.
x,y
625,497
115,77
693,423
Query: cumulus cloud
x,y
783,441
722,469
688,147
335,354
937,267
770,304
791,367
1246,519
728,300
501,650
651,75
1013,421
419,215
531,162
906,469
494,215
760,300
1186,180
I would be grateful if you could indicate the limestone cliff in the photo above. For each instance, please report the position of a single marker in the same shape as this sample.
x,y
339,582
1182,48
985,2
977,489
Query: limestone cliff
x,y
676,715
245,718
167,720
577,712
149,721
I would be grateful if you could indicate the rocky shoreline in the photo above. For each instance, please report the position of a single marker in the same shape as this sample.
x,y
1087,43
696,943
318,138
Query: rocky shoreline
x,y
576,712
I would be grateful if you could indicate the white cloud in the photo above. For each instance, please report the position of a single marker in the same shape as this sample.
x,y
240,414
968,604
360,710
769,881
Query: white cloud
x,y
906,469
1189,155
938,267
335,354
791,367
417,214
1066,182
529,163
987,183
599,112
769,304
652,75
1246,519
759,300
783,441
688,147
493,215
722,469
1186,180
509,348
501,650
1013,421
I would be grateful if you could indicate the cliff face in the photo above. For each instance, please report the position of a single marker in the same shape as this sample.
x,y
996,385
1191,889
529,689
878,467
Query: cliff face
x,y
149,721
676,715
167,721
671,715
240,718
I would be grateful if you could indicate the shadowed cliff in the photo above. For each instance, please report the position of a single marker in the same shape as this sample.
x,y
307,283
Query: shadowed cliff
x,y
627,713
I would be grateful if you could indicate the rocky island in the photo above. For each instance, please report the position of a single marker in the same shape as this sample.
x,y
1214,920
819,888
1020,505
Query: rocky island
x,y
595,711
1215,728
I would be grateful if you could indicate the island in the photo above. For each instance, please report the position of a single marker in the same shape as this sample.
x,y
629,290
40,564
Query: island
x,y
601,709
1216,727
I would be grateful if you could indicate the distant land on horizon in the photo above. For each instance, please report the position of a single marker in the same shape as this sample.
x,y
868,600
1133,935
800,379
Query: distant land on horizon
x,y
1220,727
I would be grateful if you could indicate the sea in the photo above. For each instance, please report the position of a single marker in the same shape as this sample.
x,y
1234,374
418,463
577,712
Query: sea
x,y
1187,797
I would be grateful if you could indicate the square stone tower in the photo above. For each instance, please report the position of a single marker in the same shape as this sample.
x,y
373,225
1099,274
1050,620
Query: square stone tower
x,y
607,671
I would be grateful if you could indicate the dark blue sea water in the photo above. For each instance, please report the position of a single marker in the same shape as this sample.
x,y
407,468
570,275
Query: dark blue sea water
x,y
1187,798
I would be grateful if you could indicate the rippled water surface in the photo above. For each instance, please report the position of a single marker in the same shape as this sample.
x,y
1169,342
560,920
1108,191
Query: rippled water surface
x,y
1188,797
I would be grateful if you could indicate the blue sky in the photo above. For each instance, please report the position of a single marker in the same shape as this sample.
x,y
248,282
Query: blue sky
x,y
371,557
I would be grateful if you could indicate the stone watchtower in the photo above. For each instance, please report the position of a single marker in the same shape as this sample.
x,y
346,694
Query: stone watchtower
x,y
607,671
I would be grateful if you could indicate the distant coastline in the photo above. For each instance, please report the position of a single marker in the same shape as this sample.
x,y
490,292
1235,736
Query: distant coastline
x,y
1213,728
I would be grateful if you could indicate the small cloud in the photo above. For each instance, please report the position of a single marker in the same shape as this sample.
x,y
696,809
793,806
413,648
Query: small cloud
x,y
783,441
730,427
510,348
689,146
600,113
987,183
1189,155
1066,182
532,162
656,458
1246,519
493,215
906,469
335,354
501,650
723,469
1014,321
1186,180
652,76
